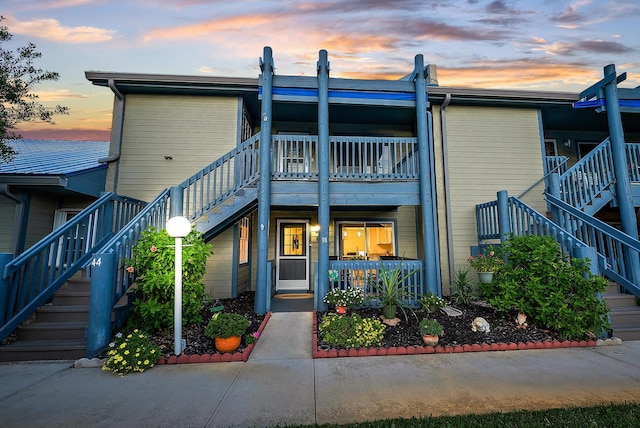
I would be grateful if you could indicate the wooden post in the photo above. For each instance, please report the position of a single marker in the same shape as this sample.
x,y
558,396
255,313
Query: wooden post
x,y
323,178
430,239
264,184
103,277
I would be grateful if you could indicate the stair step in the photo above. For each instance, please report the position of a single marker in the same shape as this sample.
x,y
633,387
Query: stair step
x,y
52,331
619,300
78,284
623,315
51,313
612,288
629,331
71,297
32,350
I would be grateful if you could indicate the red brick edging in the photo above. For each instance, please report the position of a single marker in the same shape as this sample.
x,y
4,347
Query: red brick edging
x,y
414,350
215,358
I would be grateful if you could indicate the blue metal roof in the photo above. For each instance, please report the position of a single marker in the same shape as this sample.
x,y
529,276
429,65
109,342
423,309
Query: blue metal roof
x,y
54,157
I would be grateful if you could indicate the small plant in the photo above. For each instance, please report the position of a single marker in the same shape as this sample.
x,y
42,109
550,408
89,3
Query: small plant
x,y
487,262
348,297
431,302
134,352
391,291
462,287
251,338
225,325
351,331
430,327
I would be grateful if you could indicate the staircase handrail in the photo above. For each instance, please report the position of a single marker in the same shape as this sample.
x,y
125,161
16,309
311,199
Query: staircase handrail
x,y
612,245
525,220
588,177
219,180
37,273
155,214
559,168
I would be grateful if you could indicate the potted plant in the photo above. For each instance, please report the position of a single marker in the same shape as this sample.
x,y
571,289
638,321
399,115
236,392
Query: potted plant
x,y
431,302
391,293
342,299
430,330
486,265
227,330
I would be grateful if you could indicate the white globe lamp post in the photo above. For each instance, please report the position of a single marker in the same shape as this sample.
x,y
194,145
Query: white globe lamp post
x,y
178,228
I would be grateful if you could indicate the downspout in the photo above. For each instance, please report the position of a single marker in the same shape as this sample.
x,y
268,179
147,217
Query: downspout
x,y
447,188
19,220
117,133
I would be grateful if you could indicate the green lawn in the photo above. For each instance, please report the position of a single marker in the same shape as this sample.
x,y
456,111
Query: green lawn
x,y
609,416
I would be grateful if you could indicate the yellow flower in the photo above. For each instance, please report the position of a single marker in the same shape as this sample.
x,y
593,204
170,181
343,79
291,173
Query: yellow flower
x,y
126,352
146,362
124,345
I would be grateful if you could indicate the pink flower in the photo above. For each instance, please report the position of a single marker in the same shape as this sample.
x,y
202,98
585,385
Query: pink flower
x,y
130,269
256,335
153,249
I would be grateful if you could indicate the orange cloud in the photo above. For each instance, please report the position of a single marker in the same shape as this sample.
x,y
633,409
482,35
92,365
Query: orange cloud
x,y
232,24
51,29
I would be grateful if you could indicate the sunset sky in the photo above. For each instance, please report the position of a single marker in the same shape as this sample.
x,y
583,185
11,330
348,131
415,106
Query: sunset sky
x,y
527,44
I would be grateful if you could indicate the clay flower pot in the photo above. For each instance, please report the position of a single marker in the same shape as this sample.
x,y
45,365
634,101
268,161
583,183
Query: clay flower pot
x,y
430,340
227,344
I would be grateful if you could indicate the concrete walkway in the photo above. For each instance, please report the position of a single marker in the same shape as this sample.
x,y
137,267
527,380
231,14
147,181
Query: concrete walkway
x,y
282,384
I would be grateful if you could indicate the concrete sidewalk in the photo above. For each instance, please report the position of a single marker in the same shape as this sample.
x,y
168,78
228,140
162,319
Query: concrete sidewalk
x,y
282,384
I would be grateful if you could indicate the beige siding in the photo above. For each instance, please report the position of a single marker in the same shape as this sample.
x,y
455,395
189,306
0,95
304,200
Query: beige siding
x,y
489,149
194,131
42,210
217,279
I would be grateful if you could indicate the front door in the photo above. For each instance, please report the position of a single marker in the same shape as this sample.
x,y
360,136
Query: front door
x,y
292,255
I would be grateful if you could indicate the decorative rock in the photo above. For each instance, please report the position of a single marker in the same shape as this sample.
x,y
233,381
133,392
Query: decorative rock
x,y
452,312
480,324
86,363
389,322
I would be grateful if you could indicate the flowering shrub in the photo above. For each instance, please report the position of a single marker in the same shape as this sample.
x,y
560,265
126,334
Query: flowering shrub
x,y
348,297
488,262
351,331
135,352
431,302
154,264
251,338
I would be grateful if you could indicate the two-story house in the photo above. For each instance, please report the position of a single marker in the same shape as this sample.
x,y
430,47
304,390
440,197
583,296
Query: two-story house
x,y
296,178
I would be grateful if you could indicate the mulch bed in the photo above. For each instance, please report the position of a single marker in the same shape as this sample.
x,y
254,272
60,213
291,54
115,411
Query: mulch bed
x,y
458,336
201,349
401,339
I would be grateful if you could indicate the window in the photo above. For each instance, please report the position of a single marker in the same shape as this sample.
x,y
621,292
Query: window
x,y
244,240
77,241
367,240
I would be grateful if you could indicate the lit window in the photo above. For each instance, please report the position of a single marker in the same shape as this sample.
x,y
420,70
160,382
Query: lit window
x,y
244,240
366,240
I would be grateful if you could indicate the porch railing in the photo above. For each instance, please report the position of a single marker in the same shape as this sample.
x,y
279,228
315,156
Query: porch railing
x,y
351,158
633,161
362,274
594,173
575,229
37,273
557,164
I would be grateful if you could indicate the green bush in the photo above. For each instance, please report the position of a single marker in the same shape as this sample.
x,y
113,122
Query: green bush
x,y
154,265
553,291
351,331
225,325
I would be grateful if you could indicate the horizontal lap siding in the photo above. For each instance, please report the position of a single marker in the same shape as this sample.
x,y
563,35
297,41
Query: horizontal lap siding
x,y
194,131
8,210
217,279
490,149
42,208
